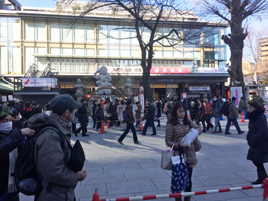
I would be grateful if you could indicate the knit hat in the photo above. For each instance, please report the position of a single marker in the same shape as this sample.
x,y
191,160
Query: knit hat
x,y
4,111
234,98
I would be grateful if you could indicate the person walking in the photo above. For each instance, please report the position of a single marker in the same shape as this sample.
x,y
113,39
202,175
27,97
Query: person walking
x,y
169,108
120,110
83,119
193,108
200,114
257,139
217,114
149,118
99,114
158,114
232,117
242,105
51,154
130,124
177,127
10,139
94,108
111,115
138,114
116,103
208,112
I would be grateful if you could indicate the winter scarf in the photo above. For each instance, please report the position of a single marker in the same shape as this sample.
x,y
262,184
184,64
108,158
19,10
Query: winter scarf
x,y
66,124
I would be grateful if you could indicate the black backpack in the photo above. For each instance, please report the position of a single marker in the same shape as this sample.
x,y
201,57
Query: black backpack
x,y
26,177
225,109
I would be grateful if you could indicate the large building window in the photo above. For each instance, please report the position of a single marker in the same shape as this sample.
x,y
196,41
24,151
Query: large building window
x,y
29,31
90,52
67,51
55,51
90,34
4,64
79,34
66,33
103,34
29,58
55,32
3,28
79,52
41,31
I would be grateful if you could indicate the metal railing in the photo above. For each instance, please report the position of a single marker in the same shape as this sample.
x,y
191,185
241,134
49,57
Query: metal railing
x,y
31,71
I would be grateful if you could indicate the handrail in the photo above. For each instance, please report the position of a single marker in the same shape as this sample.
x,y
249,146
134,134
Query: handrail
x,y
31,71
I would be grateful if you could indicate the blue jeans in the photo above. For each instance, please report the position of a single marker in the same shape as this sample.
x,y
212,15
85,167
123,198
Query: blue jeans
x,y
217,123
229,123
111,123
168,116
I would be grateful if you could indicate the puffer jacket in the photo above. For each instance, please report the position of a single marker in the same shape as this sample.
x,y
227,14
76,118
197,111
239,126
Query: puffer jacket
x,y
233,113
257,137
174,135
8,142
50,156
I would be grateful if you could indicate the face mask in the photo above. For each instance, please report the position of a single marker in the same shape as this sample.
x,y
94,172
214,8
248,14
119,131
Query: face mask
x,y
214,99
20,117
6,127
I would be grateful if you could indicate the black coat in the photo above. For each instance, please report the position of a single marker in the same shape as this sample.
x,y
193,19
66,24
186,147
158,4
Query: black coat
x,y
158,109
94,108
7,144
99,114
257,137
150,113
200,114
82,111
111,113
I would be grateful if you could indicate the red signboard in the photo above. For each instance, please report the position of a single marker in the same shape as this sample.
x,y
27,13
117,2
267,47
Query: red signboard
x,y
168,70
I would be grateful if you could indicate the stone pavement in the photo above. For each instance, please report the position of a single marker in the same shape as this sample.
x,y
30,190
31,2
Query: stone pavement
x,y
133,170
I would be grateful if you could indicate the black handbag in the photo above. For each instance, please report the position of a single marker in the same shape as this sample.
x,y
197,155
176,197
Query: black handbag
x,y
77,158
125,117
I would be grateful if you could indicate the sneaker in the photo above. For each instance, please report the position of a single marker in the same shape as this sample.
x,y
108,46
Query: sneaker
x,y
120,142
137,142
153,134
227,133
214,132
219,132
143,134
241,132
122,130
203,131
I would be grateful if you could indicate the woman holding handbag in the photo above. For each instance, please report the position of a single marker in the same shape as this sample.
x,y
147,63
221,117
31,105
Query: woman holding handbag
x,y
177,127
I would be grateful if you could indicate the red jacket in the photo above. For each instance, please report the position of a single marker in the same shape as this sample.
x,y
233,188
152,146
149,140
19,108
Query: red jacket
x,y
208,108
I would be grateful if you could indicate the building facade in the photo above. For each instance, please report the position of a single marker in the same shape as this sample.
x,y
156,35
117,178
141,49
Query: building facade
x,y
78,48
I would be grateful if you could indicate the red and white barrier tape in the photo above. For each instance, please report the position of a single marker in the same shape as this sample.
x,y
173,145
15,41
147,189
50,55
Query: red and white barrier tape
x,y
152,197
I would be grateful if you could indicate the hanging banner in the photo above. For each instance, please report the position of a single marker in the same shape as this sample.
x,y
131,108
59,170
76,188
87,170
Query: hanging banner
x,y
199,88
39,82
183,95
141,99
237,93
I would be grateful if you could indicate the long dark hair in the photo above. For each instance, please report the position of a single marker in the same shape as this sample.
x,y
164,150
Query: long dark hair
x,y
174,119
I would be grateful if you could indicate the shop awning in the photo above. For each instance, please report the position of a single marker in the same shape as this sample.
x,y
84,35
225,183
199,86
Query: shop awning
x,y
5,85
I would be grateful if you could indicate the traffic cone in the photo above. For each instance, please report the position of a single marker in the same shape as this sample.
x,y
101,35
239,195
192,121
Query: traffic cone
x,y
102,128
141,126
96,196
265,191
188,116
108,124
242,118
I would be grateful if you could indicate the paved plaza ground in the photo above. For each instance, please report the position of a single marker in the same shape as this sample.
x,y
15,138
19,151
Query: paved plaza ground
x,y
134,170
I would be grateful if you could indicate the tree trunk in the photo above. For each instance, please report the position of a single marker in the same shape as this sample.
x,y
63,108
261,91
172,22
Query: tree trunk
x,y
146,84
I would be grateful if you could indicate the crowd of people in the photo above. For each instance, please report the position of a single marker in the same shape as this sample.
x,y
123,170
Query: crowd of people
x,y
19,121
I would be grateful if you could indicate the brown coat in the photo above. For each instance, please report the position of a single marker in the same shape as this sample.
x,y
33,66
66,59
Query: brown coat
x,y
138,112
130,114
174,135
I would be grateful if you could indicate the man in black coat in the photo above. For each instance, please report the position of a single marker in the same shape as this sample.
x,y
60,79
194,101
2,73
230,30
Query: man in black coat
x,y
83,119
149,118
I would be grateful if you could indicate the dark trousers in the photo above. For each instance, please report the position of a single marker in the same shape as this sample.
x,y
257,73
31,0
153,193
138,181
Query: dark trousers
x,y
137,123
189,188
147,124
129,126
73,127
229,123
111,123
203,123
83,127
208,121
9,197
259,166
